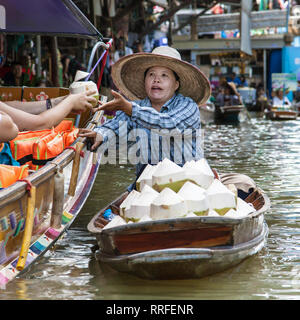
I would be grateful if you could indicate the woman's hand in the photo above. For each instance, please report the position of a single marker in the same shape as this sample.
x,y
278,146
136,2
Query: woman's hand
x,y
83,101
92,135
118,103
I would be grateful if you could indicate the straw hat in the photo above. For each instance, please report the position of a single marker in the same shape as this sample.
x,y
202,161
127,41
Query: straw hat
x,y
128,74
233,88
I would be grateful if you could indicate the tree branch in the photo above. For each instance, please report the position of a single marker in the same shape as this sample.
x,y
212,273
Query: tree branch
x,y
125,11
166,16
195,17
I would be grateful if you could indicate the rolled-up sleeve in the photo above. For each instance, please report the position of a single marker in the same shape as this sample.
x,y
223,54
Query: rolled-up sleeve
x,y
111,128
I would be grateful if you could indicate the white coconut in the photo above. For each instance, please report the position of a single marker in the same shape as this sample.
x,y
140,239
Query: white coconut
x,y
195,198
199,172
82,86
115,222
146,177
213,213
140,206
243,208
191,215
220,198
231,214
168,175
125,205
145,218
80,75
168,204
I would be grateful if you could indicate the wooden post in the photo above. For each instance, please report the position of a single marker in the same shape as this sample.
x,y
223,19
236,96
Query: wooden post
x,y
28,229
58,200
75,169
194,33
54,62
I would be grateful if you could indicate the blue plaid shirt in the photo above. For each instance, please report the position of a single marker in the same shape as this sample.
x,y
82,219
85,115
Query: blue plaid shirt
x,y
150,131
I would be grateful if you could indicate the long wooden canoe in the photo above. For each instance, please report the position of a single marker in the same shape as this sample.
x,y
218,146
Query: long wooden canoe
x,y
79,169
281,114
183,247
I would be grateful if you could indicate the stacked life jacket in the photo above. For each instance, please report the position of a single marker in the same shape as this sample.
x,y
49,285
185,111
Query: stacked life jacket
x,y
33,149
36,148
10,169
11,174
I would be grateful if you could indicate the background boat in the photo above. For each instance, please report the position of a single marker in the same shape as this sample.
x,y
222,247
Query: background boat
x,y
281,113
230,114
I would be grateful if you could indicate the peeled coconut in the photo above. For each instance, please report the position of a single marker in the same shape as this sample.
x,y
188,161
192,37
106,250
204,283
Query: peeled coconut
x,y
125,205
81,86
146,177
213,213
231,214
199,172
140,206
244,208
168,204
145,218
168,175
80,75
220,198
195,198
115,222
191,215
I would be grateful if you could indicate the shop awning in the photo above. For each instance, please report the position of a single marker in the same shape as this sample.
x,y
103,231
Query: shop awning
x,y
45,17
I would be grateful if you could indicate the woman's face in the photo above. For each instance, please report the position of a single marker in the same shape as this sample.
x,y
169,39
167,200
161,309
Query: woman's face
x,y
160,85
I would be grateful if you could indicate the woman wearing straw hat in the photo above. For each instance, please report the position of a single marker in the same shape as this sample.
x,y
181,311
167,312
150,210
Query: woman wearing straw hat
x,y
229,97
162,93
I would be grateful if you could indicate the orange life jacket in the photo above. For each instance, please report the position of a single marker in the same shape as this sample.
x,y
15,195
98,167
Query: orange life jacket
x,y
65,125
10,174
47,147
21,146
37,147
69,132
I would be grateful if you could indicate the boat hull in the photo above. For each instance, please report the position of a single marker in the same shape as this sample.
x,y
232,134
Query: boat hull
x,y
184,263
230,114
186,247
14,203
282,115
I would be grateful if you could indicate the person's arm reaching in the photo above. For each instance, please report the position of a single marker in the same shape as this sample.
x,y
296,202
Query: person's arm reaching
x,y
34,107
73,103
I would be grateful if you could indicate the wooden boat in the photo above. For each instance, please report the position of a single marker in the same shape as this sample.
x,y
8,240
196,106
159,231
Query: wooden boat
x,y
207,113
280,113
182,247
229,113
31,222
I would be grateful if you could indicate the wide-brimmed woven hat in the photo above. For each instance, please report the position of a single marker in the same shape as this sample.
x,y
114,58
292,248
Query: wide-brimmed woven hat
x,y
232,87
128,74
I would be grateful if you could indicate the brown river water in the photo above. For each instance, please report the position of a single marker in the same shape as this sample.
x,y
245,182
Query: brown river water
x,y
268,152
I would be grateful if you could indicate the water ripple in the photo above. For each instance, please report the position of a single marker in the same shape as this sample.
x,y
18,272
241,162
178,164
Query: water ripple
x,y
266,151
